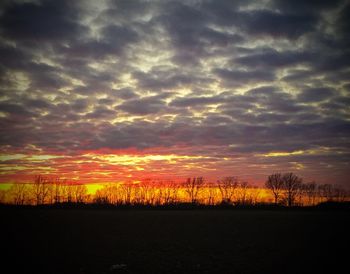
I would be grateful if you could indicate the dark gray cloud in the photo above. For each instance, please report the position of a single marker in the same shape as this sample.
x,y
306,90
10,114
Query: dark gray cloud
x,y
14,109
112,41
101,113
343,24
37,104
316,94
80,105
143,106
244,76
274,59
313,6
41,21
275,24
194,101
125,93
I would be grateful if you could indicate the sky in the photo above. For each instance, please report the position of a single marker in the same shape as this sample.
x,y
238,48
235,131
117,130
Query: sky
x,y
112,91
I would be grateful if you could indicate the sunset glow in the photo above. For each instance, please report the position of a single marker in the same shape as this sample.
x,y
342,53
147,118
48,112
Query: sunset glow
x,y
174,136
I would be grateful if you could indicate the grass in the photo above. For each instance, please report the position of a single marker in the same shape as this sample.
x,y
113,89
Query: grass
x,y
173,241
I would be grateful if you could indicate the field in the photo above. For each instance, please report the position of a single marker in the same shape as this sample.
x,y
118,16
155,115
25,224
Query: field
x,y
173,241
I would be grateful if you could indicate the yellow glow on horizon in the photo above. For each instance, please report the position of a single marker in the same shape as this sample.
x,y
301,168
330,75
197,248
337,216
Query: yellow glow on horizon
x,y
5,186
35,158
283,154
10,169
318,151
92,188
139,159
7,157
40,158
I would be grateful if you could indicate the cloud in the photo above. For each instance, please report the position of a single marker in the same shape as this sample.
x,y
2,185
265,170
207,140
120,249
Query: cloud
x,y
243,76
40,22
143,106
14,109
266,22
274,59
101,113
210,78
313,6
316,94
194,101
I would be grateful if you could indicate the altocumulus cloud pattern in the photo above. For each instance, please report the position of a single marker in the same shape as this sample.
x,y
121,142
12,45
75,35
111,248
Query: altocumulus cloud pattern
x,y
124,89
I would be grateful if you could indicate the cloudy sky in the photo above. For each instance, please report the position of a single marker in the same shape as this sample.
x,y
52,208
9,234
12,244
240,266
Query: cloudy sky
x,y
105,91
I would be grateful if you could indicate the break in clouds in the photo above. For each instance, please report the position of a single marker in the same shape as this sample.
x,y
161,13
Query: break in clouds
x,y
267,82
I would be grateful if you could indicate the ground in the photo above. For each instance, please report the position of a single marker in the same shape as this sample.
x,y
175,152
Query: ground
x,y
173,241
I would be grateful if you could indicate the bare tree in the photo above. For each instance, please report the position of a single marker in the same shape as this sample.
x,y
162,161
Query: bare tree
x,y
193,187
66,191
275,184
340,194
19,193
242,197
40,189
254,194
57,190
2,196
325,192
310,191
127,190
100,197
291,186
211,193
79,193
147,192
227,187
170,192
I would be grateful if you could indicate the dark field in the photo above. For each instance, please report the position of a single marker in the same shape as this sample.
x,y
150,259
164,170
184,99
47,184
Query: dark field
x,y
174,241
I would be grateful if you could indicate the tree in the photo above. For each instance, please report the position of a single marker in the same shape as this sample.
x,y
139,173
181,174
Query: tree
x,y
170,192
40,189
275,184
227,187
193,187
211,193
340,194
18,193
242,194
127,190
291,186
57,190
325,191
310,191
2,196
79,193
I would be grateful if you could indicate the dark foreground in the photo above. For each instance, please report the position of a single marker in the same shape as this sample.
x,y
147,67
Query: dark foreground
x,y
174,241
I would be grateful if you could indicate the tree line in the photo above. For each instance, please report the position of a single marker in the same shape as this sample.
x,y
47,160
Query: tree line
x,y
284,189
289,189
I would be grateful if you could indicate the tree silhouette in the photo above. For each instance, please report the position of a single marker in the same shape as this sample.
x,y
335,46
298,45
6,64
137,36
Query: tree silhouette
x,y
310,191
18,193
291,186
40,189
227,187
325,192
193,187
275,184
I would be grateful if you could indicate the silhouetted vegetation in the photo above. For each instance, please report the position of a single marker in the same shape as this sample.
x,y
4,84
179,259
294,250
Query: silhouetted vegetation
x,y
281,189
289,189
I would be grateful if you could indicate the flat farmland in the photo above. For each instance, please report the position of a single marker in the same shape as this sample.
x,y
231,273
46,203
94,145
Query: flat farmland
x,y
47,240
